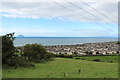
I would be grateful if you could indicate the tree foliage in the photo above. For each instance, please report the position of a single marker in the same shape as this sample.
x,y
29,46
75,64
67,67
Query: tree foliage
x,y
8,48
34,52
9,56
21,56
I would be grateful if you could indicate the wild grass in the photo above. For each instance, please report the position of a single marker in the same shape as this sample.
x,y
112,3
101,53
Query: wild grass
x,y
65,68
109,59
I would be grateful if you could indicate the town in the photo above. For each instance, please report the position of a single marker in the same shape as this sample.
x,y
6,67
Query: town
x,y
101,48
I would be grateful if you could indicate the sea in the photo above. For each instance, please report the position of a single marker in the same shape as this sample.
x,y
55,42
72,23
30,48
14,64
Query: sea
x,y
61,40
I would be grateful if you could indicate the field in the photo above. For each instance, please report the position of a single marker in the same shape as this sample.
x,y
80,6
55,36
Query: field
x,y
111,59
65,68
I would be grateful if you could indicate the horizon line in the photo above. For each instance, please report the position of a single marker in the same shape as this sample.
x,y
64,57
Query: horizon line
x,y
61,37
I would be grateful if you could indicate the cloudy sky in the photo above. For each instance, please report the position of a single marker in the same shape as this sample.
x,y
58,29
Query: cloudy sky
x,y
60,19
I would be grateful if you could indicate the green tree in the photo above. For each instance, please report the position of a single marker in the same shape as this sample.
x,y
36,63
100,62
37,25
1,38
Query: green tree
x,y
8,48
34,52
49,55
9,56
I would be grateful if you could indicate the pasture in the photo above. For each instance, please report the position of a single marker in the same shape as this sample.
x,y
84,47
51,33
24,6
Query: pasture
x,y
65,68
109,59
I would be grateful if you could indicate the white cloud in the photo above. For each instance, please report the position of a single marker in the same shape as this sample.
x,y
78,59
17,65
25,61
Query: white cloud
x,y
51,10
60,32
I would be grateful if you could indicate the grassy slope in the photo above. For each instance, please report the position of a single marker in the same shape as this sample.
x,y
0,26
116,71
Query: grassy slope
x,y
114,59
65,68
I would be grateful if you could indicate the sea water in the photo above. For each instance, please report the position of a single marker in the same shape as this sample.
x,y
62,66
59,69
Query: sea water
x,y
60,40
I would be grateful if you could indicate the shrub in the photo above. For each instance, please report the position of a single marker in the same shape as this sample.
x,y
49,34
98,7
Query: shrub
x,y
77,58
48,55
64,55
18,62
97,60
35,52
110,61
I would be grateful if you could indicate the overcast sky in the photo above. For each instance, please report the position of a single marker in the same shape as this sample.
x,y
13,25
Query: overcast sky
x,y
49,19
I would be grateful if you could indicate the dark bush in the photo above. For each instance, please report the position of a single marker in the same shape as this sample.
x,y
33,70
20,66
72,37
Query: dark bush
x,y
110,61
83,59
48,55
18,62
31,65
97,60
64,55
77,58
71,56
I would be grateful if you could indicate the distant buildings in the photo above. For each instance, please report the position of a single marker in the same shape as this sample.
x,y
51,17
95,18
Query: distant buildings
x,y
85,49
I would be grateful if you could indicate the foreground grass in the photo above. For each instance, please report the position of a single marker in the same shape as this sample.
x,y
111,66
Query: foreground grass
x,y
65,68
113,59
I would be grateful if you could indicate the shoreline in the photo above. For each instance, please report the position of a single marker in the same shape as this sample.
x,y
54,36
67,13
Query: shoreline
x,y
70,44
83,43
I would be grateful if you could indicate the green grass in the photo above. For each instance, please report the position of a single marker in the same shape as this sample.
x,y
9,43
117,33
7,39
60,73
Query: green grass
x,y
65,68
114,59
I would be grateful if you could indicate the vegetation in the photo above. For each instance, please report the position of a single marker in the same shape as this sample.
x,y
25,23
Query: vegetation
x,y
21,56
34,52
8,48
110,58
9,56
64,55
17,62
65,68
88,52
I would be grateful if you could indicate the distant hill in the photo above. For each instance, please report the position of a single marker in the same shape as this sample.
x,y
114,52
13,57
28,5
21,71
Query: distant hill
x,y
20,36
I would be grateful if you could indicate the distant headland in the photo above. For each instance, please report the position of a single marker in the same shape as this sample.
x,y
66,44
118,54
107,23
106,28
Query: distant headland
x,y
20,36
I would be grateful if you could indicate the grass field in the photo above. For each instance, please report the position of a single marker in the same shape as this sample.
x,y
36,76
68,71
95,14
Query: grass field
x,y
65,68
113,59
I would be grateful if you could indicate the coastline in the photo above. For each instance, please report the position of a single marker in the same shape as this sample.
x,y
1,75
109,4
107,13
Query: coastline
x,y
75,44
83,43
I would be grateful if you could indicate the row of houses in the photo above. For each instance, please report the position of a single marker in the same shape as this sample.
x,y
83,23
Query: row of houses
x,y
85,49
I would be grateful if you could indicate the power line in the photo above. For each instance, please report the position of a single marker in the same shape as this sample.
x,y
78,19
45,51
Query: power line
x,y
98,11
81,15
72,10
88,12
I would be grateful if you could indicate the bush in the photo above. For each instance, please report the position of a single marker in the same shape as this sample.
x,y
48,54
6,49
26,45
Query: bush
x,y
110,61
64,55
36,53
18,62
97,60
77,58
9,53
48,55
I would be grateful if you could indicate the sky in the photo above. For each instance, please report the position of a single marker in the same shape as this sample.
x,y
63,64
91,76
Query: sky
x,y
48,19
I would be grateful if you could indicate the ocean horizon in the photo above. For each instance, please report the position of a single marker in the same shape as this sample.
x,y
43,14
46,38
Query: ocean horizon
x,y
20,41
62,37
